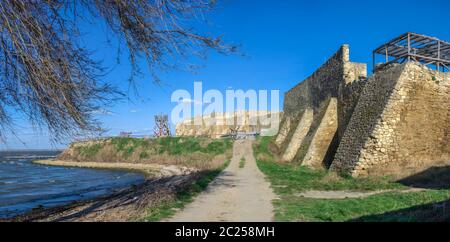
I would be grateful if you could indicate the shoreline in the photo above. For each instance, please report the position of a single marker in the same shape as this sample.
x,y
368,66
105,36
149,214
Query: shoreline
x,y
161,183
150,171
128,204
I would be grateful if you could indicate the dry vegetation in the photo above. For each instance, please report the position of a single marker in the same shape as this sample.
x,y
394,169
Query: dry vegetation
x,y
177,170
198,153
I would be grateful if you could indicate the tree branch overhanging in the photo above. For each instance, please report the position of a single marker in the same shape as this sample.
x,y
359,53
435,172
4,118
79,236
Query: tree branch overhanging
x,y
48,76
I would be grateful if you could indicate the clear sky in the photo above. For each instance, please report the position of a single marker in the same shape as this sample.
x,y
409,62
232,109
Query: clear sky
x,y
283,42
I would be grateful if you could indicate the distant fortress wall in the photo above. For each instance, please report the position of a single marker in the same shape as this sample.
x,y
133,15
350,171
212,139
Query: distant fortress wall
x,y
216,126
396,122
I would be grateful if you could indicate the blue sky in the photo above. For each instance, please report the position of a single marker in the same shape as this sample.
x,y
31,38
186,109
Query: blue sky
x,y
283,43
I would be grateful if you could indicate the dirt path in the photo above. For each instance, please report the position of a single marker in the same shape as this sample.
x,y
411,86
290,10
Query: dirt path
x,y
237,194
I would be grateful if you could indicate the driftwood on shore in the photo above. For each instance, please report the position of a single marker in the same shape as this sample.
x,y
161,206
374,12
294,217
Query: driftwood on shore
x,y
166,175
126,205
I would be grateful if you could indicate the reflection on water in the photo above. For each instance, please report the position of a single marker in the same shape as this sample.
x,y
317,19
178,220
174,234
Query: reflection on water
x,y
24,185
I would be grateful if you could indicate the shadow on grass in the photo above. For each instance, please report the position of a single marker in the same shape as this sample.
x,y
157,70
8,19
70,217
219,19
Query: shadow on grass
x,y
436,178
432,178
432,212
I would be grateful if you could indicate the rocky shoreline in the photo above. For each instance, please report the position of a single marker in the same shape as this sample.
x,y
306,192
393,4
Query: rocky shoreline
x,y
129,204
149,170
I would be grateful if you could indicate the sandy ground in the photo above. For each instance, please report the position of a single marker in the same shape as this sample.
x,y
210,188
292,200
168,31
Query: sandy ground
x,y
237,194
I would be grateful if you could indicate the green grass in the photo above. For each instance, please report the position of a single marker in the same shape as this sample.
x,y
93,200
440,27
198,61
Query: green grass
x,y
144,148
144,155
89,151
287,180
168,209
188,145
242,163
128,145
387,207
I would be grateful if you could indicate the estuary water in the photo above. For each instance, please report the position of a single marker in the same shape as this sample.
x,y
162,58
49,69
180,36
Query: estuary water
x,y
24,185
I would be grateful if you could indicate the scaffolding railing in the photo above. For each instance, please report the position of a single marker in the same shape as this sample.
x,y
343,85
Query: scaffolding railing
x,y
408,47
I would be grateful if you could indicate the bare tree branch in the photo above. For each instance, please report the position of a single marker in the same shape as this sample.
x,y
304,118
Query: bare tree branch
x,y
48,76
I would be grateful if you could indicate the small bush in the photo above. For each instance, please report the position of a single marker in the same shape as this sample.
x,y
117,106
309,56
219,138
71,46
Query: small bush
x,y
144,155
89,151
128,145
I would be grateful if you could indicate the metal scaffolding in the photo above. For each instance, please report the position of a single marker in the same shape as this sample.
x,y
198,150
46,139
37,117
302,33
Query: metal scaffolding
x,y
429,51
162,128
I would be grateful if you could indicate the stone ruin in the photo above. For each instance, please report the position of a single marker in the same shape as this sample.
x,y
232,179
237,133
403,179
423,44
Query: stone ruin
x,y
216,126
395,122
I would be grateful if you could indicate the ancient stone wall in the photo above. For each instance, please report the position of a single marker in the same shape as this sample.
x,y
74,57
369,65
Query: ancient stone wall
x,y
216,126
349,92
284,131
297,100
400,126
323,138
321,85
301,130
315,93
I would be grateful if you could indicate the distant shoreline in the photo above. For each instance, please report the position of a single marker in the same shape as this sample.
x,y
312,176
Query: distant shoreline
x,y
148,170
161,183
32,150
169,166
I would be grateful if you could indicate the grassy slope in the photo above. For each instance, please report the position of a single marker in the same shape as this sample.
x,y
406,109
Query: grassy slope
x,y
200,153
188,150
168,209
288,180
147,147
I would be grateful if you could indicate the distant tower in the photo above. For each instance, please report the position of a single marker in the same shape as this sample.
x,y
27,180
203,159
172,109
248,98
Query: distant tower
x,y
162,128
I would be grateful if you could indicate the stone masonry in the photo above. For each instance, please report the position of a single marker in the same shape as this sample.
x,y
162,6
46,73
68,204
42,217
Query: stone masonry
x,y
323,138
299,134
401,125
397,122
216,125
321,93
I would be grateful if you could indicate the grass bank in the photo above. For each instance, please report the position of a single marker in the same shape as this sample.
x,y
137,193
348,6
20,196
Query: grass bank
x,y
289,180
167,209
199,153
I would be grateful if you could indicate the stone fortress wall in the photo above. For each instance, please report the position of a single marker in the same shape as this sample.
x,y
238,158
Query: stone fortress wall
x,y
401,124
216,125
318,108
397,122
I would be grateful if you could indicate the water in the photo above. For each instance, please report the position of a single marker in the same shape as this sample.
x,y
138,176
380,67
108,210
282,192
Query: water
x,y
24,185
